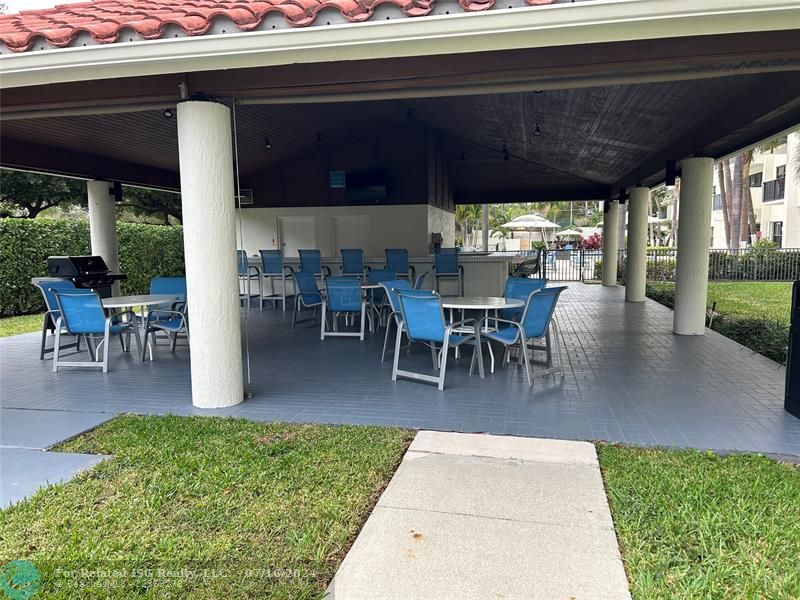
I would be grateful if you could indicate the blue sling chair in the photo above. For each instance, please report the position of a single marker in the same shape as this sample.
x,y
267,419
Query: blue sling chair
x,y
307,295
48,286
352,262
272,268
423,321
446,267
391,288
397,261
82,314
536,322
342,298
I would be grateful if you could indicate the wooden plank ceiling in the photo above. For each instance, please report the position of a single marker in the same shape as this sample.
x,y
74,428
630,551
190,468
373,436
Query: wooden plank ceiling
x,y
587,139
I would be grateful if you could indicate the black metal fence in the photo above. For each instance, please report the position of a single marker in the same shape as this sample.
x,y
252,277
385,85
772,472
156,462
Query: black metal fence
x,y
750,264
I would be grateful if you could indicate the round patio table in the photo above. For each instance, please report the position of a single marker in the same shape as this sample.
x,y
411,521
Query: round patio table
x,y
484,303
143,301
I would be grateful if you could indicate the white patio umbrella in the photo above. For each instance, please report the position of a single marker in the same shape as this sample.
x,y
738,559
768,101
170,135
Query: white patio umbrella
x,y
569,233
529,223
532,221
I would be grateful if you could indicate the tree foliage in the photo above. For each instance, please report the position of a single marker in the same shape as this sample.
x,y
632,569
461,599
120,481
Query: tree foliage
x,y
24,194
166,206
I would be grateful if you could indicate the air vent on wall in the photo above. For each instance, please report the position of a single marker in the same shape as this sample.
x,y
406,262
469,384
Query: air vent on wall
x,y
245,198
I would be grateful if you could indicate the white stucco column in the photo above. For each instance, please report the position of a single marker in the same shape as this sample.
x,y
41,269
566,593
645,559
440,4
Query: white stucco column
x,y
103,225
209,241
691,274
610,244
636,264
622,220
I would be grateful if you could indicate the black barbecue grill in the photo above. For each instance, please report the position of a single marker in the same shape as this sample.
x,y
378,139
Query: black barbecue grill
x,y
85,272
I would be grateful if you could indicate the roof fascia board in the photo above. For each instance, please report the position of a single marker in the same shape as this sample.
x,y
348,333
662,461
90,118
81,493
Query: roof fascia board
x,y
588,22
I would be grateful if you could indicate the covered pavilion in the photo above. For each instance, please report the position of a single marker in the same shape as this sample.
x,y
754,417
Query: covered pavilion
x,y
445,102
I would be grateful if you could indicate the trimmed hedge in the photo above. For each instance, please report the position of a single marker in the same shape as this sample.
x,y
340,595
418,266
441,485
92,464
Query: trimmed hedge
x,y
765,336
661,269
144,252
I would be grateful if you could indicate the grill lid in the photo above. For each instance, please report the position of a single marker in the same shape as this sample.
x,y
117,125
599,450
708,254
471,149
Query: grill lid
x,y
76,266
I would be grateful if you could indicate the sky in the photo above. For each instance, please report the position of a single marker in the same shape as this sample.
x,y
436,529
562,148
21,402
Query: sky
x,y
18,5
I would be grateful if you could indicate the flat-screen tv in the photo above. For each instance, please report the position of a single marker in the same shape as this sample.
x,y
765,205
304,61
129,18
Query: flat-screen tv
x,y
367,187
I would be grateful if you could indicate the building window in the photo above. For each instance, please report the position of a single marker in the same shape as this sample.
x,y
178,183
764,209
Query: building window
x,y
756,179
711,241
780,172
716,202
773,190
776,232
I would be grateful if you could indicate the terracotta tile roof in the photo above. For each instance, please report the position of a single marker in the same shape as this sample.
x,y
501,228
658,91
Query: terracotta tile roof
x,y
105,20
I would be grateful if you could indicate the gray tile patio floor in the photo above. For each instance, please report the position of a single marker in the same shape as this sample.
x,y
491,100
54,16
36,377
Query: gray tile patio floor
x,y
631,381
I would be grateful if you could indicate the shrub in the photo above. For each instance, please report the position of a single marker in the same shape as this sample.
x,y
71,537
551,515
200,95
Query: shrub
x,y
144,250
763,335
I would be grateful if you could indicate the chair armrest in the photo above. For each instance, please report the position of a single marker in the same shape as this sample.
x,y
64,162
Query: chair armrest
x,y
176,313
463,323
499,320
291,270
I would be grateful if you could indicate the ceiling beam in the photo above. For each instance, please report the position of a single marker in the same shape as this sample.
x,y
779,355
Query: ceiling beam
x,y
28,156
771,107
613,63
533,194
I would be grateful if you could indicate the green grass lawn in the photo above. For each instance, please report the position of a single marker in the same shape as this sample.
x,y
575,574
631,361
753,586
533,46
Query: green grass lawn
x,y
21,324
210,508
758,299
251,510
694,525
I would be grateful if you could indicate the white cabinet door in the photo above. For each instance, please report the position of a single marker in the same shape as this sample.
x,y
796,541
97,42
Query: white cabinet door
x,y
351,231
296,233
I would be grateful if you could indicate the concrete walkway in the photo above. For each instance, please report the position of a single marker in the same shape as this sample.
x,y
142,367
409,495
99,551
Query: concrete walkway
x,y
480,516
25,464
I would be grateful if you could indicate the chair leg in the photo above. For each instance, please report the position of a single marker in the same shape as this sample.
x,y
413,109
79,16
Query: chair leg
x,y
139,347
147,332
57,347
107,343
363,320
396,361
386,339
443,368
524,344
435,357
559,345
92,347
44,336
477,352
324,320
294,312
284,294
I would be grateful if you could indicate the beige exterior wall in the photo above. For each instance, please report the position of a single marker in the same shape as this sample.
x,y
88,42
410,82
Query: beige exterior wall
x,y
389,227
791,226
766,213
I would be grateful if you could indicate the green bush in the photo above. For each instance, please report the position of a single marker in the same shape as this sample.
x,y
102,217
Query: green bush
x,y
660,269
144,250
763,335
